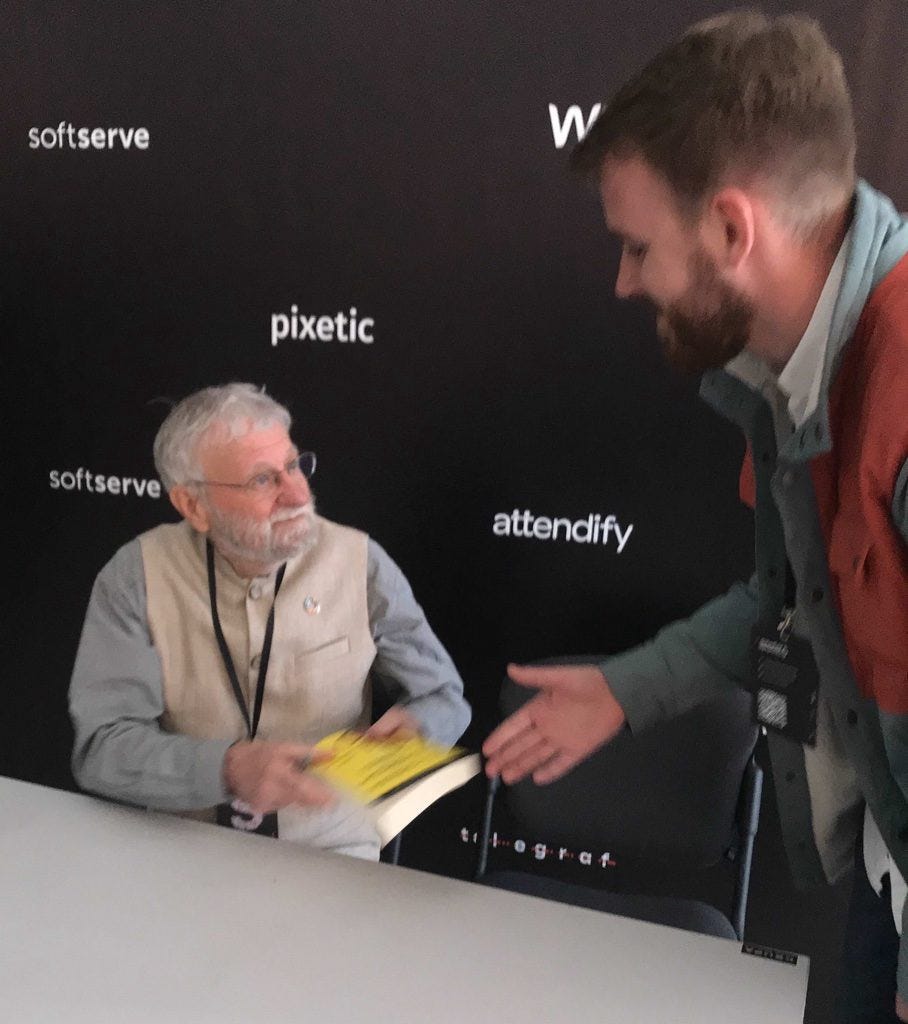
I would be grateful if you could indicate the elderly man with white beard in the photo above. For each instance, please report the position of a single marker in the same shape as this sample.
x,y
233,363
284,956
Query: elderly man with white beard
x,y
218,650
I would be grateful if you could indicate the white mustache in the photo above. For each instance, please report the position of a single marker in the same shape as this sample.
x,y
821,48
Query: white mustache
x,y
281,515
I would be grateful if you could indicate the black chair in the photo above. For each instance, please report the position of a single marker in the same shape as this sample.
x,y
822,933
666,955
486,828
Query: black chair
x,y
672,808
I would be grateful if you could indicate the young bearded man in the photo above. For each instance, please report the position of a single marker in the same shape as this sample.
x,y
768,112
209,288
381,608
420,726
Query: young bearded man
x,y
726,168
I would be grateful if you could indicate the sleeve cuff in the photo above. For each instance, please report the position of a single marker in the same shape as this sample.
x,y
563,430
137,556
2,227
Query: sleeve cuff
x,y
438,722
209,772
632,688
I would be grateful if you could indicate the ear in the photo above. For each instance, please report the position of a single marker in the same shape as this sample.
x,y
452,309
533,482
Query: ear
x,y
190,506
731,226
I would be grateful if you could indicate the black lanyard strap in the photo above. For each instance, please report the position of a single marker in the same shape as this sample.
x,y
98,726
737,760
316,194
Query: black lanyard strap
x,y
791,587
786,621
252,724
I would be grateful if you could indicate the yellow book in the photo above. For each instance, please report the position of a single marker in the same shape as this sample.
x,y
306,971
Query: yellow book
x,y
397,779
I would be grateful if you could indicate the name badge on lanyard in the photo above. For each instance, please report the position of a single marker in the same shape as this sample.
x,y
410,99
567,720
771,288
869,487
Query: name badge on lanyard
x,y
240,816
785,681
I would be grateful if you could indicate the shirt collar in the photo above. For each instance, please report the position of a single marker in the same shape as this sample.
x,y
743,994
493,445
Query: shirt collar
x,y
802,375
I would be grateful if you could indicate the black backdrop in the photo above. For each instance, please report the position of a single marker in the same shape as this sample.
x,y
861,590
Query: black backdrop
x,y
399,159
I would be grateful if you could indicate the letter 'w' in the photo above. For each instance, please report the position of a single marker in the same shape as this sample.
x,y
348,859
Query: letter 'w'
x,y
573,118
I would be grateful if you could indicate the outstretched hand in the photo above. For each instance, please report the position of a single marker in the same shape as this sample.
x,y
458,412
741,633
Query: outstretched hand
x,y
573,715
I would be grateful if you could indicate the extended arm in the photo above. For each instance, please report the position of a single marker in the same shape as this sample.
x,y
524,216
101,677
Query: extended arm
x,y
688,661
580,707
411,661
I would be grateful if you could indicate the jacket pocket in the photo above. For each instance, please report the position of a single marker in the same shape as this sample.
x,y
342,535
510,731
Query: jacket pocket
x,y
849,548
334,677
324,653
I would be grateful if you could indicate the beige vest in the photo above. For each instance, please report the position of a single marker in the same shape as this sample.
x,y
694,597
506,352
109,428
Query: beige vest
x,y
318,674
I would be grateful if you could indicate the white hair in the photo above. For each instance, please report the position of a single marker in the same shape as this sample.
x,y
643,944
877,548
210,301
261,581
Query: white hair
x,y
237,408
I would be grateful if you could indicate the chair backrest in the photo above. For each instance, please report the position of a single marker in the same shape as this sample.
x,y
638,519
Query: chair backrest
x,y
669,795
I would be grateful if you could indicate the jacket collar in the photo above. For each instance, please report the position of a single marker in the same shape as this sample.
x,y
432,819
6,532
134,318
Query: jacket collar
x,y
879,239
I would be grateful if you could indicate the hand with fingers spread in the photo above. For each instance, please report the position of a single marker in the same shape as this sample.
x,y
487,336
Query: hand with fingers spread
x,y
268,776
573,715
396,723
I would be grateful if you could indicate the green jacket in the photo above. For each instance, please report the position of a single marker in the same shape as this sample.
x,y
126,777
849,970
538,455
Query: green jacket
x,y
692,660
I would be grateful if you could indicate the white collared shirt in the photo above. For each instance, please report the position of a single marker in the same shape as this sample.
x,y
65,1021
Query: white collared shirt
x,y
802,376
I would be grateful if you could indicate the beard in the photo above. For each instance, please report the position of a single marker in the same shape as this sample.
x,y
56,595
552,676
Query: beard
x,y
287,533
709,325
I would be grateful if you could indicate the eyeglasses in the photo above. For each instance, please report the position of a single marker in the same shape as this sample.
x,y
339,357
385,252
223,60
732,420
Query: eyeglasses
x,y
269,480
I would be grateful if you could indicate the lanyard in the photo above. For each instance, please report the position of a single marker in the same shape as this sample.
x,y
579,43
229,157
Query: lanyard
x,y
253,723
788,608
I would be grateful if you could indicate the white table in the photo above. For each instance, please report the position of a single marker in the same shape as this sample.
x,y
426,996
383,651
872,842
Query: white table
x,y
114,915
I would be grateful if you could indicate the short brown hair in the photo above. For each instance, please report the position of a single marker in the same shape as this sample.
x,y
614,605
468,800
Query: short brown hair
x,y
739,97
